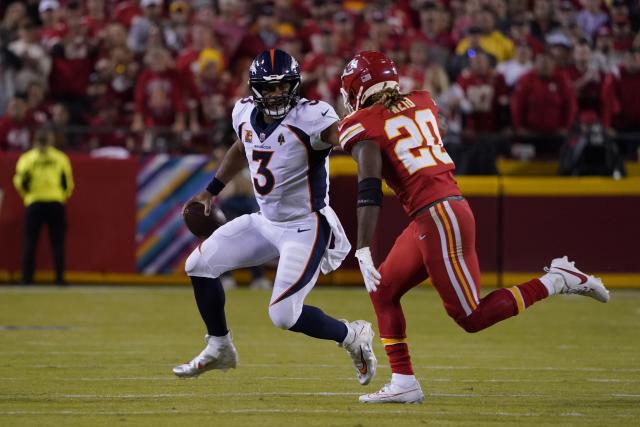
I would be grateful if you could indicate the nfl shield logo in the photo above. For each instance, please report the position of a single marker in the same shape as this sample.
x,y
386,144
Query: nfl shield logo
x,y
262,137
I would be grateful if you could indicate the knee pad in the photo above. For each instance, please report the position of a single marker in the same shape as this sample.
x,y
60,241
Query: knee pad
x,y
283,317
190,266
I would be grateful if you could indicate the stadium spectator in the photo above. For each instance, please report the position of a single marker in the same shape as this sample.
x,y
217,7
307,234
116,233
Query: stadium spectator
x,y
461,61
45,181
376,33
179,20
560,47
543,106
483,100
515,68
15,126
143,26
113,36
484,96
434,29
321,68
37,103
35,63
209,116
109,128
63,137
592,87
591,17
520,33
343,35
96,18
421,74
542,22
230,27
622,33
53,26
492,41
118,72
159,101
605,57
73,62
15,14
627,92
201,37
125,11
463,19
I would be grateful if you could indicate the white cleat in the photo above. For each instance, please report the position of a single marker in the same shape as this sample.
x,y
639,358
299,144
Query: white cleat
x,y
358,345
393,393
577,282
220,353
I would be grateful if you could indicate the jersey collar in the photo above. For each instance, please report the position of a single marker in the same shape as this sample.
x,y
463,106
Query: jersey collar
x,y
261,128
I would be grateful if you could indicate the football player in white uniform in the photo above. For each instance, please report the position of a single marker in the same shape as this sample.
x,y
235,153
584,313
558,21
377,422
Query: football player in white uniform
x,y
286,141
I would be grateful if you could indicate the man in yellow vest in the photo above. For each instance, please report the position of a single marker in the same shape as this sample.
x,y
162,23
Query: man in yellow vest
x,y
44,180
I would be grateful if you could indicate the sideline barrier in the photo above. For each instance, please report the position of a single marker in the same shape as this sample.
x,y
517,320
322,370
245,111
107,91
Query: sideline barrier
x,y
125,220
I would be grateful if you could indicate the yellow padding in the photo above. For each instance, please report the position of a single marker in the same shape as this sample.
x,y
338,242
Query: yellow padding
x,y
392,341
518,297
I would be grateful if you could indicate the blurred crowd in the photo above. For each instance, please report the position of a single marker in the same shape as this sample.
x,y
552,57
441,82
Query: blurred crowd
x,y
163,75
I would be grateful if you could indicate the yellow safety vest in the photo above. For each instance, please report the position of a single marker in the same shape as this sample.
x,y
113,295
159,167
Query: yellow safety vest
x,y
43,175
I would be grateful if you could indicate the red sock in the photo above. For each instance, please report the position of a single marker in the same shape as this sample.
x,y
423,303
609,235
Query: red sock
x,y
502,304
528,293
399,358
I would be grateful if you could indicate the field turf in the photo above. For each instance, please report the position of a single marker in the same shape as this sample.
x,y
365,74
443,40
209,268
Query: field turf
x,y
102,356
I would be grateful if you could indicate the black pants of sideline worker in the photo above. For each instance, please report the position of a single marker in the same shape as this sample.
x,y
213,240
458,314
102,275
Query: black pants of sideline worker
x,y
52,214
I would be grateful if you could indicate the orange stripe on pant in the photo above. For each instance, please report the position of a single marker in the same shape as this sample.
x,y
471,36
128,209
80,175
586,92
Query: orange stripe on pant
x,y
453,255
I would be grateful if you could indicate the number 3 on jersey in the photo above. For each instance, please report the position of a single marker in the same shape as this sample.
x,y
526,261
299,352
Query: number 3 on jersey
x,y
422,148
269,181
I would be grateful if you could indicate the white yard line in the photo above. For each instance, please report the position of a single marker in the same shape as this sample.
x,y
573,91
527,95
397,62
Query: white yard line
x,y
355,409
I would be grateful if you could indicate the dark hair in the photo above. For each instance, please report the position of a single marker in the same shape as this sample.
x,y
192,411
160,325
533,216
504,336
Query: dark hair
x,y
386,97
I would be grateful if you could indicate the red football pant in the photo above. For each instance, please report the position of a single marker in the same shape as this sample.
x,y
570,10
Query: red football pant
x,y
440,243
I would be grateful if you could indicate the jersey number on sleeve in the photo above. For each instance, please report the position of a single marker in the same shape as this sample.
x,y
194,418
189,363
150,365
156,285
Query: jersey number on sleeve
x,y
269,181
422,148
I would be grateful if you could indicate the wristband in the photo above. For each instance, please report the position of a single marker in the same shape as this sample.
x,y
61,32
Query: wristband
x,y
215,186
370,192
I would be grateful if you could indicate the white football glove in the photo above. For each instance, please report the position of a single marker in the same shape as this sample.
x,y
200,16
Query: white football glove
x,y
369,273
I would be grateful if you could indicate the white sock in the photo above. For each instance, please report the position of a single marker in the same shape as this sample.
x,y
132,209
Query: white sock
x,y
223,340
403,380
351,336
553,283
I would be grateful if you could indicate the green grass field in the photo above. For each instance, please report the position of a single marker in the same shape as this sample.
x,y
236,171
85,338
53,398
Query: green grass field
x,y
103,356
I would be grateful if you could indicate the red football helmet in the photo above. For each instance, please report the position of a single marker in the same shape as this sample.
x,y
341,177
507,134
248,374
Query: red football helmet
x,y
367,73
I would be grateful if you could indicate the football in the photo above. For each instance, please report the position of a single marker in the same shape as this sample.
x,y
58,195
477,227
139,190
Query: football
x,y
201,225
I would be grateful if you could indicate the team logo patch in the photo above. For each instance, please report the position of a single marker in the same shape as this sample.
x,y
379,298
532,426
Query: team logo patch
x,y
281,139
248,136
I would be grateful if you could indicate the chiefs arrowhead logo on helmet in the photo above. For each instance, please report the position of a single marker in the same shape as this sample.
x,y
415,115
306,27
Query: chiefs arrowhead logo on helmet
x,y
367,73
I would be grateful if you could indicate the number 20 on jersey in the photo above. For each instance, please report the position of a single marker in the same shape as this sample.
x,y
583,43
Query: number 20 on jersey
x,y
422,148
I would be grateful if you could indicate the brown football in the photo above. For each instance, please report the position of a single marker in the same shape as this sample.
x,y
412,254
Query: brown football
x,y
201,225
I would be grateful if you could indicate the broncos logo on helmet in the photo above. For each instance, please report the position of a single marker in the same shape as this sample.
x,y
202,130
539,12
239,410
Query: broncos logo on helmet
x,y
274,69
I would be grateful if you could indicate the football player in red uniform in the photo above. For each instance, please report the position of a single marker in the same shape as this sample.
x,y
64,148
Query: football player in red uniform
x,y
396,136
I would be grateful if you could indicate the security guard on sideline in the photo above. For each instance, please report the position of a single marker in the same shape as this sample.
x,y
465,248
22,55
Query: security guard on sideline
x,y
44,180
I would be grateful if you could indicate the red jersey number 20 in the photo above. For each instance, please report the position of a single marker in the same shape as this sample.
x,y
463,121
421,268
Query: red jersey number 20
x,y
422,148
